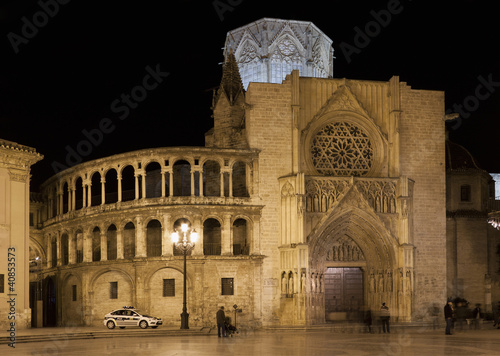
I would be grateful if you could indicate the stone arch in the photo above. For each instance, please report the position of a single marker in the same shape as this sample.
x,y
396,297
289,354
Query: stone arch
x,y
211,177
79,203
99,286
111,185
239,175
286,53
212,236
242,232
38,249
364,229
95,190
65,194
65,241
72,299
129,231
154,231
111,244
153,174
378,265
127,175
181,170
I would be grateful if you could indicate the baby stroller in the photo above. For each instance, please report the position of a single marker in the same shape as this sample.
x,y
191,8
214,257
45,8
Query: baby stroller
x,y
230,329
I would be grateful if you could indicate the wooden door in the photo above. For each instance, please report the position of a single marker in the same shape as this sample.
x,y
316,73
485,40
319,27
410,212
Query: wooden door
x,y
343,290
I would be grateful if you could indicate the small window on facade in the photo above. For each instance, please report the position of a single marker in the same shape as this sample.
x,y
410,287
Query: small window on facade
x,y
113,290
31,220
73,292
2,282
227,286
465,193
169,287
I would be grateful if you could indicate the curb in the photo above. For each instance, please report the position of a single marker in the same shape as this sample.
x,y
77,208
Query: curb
x,y
103,334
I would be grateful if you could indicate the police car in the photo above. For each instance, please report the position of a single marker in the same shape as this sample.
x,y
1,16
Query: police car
x,y
129,316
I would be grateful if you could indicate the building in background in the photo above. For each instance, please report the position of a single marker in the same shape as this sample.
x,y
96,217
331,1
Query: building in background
x,y
15,163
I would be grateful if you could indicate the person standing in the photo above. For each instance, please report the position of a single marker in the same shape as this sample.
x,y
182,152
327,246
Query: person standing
x,y
476,315
221,319
448,316
385,316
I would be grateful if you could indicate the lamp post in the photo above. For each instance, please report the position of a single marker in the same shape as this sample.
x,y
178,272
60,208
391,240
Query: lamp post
x,y
185,245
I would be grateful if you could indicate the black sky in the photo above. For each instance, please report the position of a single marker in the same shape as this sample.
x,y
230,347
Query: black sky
x,y
86,54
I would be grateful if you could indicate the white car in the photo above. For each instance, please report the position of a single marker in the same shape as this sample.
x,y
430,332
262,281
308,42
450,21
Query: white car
x,y
128,316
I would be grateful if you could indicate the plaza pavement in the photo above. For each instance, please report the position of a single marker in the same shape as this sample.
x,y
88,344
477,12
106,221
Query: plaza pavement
x,y
329,339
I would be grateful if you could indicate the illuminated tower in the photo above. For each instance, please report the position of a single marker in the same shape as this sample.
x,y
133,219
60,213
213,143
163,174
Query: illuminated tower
x,y
268,50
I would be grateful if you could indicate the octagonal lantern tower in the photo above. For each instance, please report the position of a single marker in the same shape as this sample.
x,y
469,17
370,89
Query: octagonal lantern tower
x,y
268,50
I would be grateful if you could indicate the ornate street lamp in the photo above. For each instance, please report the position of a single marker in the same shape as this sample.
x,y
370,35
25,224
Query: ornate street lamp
x,y
187,243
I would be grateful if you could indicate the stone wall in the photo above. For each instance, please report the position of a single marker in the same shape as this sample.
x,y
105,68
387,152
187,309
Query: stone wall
x,y
268,127
422,155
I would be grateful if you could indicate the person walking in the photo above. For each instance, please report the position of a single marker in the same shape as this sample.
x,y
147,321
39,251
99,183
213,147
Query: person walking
x,y
448,316
221,319
385,316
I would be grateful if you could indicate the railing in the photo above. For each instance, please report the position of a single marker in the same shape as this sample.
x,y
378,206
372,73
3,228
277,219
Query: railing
x,y
211,249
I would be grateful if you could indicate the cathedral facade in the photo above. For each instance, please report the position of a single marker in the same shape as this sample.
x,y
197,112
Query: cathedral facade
x,y
315,198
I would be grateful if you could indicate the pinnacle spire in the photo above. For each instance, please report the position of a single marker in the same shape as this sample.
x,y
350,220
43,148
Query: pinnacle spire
x,y
231,84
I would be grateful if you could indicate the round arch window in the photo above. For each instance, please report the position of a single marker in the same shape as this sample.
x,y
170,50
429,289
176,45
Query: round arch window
x,y
342,149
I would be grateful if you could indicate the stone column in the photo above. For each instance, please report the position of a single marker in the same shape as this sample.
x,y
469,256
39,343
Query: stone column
x,y
166,243
198,248
119,181
192,182
87,245
222,182
163,183
103,190
71,248
255,239
89,195
59,252
48,243
226,237
202,194
140,239
170,182
71,197
230,175
59,201
119,243
84,195
143,184
104,245
136,176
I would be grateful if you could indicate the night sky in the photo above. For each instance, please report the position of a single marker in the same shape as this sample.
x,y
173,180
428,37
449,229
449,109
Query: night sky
x,y
69,68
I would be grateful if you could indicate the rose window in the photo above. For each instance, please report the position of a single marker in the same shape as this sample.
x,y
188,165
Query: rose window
x,y
342,149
